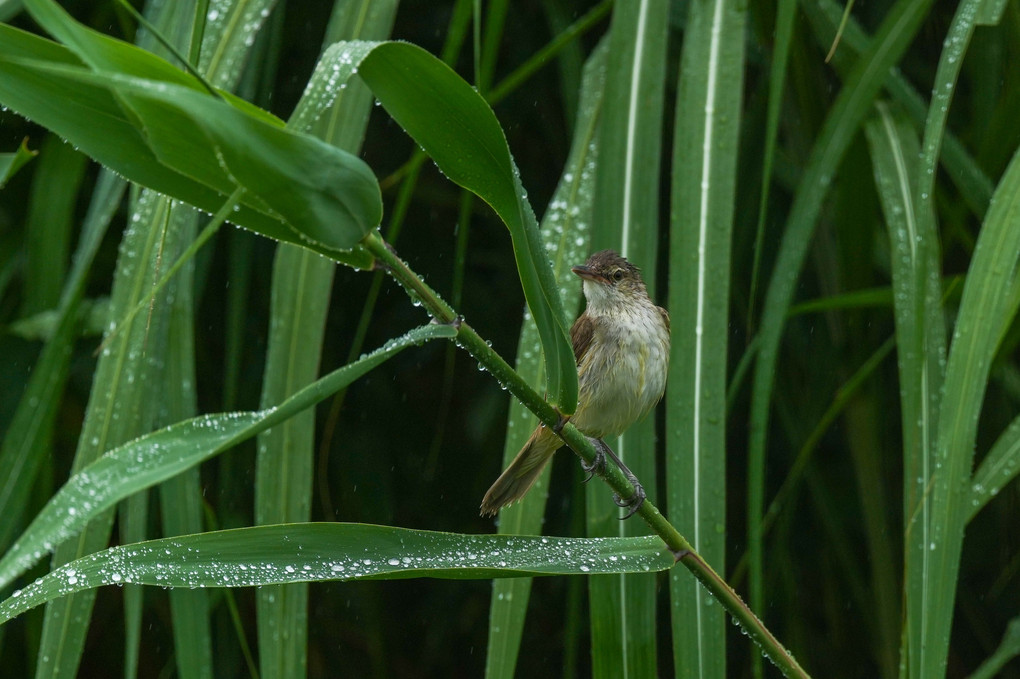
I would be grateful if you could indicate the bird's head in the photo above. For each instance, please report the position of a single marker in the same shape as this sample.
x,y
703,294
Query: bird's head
x,y
610,280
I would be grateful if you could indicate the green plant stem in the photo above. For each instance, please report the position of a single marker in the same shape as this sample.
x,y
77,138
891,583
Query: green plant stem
x,y
682,550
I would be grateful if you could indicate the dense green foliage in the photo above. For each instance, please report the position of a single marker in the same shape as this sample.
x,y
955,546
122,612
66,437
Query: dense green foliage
x,y
839,438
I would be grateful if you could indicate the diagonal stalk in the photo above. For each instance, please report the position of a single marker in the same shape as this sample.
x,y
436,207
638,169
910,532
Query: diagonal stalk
x,y
469,340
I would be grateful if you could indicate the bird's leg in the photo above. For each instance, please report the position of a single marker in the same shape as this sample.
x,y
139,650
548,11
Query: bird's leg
x,y
598,466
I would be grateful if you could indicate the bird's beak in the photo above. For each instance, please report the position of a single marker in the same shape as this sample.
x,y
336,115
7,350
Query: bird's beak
x,y
589,275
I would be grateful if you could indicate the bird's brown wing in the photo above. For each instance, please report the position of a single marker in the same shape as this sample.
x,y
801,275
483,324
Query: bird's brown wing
x,y
580,335
665,318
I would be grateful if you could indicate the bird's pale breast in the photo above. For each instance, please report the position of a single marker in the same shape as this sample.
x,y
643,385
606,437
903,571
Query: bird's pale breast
x,y
623,374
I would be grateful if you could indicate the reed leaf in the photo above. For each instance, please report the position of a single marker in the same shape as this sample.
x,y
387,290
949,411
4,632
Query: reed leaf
x,y
155,457
841,124
312,552
704,186
566,228
626,219
301,295
985,312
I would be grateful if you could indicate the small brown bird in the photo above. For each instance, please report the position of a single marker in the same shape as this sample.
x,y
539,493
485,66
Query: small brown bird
x,y
621,344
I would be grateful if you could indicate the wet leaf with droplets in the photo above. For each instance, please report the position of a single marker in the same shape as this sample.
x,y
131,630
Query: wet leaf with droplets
x,y
160,127
162,454
455,126
314,552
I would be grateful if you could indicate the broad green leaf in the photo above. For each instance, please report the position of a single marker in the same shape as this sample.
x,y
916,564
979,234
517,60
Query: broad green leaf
x,y
101,52
173,136
452,122
708,116
566,228
316,552
158,456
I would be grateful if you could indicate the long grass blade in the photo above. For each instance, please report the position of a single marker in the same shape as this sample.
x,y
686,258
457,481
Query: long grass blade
x,y
314,552
302,283
704,185
121,407
566,228
920,328
182,510
843,120
58,174
21,454
180,498
961,167
1000,466
626,219
301,294
985,311
155,457
785,14
228,32
928,475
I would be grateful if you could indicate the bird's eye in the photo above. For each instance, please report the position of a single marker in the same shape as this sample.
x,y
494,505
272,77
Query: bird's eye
x,y
618,275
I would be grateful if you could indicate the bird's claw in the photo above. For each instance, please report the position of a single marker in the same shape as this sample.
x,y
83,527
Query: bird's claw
x,y
598,463
634,502
597,466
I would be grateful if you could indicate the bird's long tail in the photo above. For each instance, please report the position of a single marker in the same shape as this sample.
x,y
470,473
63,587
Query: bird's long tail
x,y
522,473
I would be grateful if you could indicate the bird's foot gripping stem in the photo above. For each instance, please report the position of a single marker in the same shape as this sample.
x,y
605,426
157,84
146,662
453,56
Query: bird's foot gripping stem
x,y
598,466
634,502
